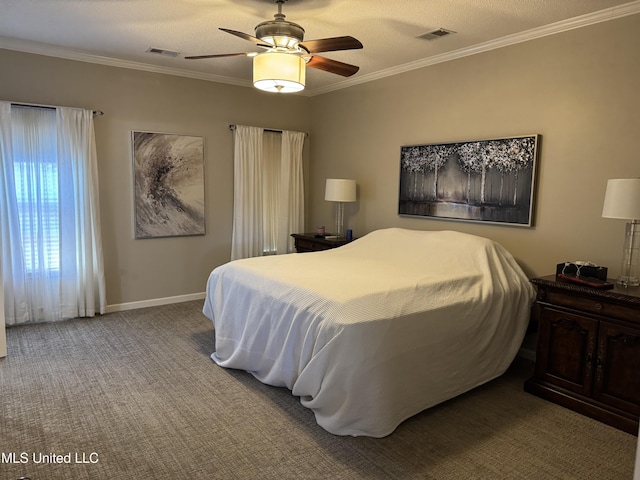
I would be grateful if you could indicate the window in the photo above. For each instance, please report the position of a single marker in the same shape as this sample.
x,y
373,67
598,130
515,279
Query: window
x,y
271,152
52,265
36,181
268,199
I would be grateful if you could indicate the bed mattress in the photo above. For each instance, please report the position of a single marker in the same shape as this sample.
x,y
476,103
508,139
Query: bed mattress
x,y
373,332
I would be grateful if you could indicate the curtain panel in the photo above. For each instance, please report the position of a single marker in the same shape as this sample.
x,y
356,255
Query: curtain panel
x,y
247,235
268,191
52,263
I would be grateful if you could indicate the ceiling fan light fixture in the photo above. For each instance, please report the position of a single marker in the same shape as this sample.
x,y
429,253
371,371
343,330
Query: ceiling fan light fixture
x,y
283,67
279,72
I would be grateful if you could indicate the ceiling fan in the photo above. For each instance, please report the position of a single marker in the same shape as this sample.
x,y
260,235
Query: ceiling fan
x,y
287,50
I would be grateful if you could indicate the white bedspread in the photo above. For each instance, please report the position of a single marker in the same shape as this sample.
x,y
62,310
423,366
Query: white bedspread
x,y
373,332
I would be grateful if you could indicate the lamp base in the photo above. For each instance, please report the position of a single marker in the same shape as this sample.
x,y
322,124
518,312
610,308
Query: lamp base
x,y
339,219
628,281
630,256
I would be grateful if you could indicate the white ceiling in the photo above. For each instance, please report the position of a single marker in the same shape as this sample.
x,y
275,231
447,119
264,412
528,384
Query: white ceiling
x,y
118,32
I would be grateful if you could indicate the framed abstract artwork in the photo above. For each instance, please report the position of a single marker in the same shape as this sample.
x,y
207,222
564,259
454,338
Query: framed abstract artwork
x,y
489,181
168,184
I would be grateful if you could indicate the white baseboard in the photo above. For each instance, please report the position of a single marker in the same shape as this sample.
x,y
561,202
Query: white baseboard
x,y
154,302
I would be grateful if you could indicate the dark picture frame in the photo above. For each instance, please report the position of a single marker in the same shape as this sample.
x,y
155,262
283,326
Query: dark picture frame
x,y
491,181
168,184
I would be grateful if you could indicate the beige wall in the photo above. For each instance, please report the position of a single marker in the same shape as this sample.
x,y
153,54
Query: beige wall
x,y
141,270
580,90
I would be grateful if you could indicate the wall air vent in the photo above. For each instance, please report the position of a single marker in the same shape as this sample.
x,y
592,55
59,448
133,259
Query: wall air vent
x,y
162,51
439,33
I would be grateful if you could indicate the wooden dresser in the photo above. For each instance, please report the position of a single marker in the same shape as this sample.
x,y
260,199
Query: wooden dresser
x,y
588,352
308,242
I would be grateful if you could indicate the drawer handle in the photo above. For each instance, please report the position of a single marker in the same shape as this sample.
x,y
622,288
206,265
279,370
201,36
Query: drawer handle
x,y
598,306
631,340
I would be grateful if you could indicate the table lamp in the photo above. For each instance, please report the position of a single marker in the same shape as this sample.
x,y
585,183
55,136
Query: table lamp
x,y
340,190
622,200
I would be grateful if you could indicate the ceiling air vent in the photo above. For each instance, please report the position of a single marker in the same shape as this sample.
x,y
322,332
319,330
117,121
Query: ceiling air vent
x,y
439,33
162,51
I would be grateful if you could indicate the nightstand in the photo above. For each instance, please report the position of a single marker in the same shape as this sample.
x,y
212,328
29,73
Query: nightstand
x,y
308,242
588,352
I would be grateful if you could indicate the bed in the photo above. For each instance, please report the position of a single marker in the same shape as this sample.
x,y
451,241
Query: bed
x,y
373,332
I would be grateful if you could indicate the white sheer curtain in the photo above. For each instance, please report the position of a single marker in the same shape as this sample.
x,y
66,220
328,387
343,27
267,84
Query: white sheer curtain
x,y
52,265
291,208
268,191
247,193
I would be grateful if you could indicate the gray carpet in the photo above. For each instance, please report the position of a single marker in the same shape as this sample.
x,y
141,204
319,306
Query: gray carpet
x,y
137,394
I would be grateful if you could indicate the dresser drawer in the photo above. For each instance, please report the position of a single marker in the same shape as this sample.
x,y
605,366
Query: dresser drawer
x,y
595,306
308,242
309,246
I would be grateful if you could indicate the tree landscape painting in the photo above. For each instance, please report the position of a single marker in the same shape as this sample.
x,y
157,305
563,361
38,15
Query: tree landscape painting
x,y
169,185
483,180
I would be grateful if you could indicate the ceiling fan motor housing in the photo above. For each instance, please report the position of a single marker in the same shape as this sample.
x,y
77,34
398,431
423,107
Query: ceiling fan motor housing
x,y
281,33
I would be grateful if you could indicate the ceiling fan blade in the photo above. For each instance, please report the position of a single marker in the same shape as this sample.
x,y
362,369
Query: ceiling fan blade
x,y
332,66
331,44
246,36
198,57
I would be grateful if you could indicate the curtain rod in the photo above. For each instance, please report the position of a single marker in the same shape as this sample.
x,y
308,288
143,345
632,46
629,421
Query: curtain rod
x,y
233,127
96,113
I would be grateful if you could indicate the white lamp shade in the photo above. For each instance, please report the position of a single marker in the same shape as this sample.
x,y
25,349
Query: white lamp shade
x,y
279,72
340,190
622,199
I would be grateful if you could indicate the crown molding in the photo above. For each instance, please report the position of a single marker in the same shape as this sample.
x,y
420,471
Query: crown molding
x,y
49,51
612,13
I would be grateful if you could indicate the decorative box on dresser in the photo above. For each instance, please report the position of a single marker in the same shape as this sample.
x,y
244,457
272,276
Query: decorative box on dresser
x,y
588,352
309,242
